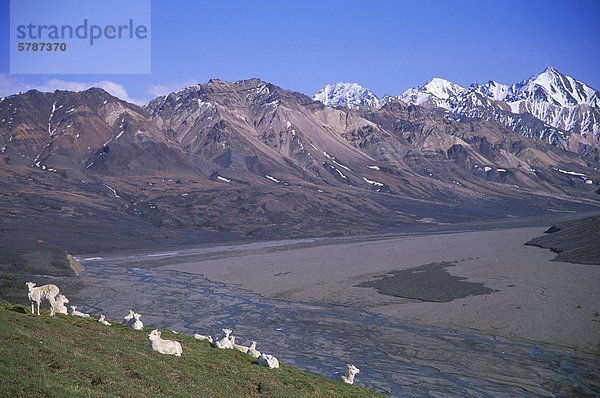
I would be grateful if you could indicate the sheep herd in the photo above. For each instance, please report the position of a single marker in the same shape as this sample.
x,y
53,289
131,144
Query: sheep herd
x,y
57,301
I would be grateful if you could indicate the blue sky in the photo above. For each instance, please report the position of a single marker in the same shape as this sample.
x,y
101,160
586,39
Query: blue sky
x,y
387,46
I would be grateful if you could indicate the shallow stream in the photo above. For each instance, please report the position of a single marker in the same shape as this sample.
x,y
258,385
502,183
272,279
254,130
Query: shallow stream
x,y
399,359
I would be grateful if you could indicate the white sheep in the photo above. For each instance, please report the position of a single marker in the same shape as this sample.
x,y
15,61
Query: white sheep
x,y
169,347
128,319
77,313
227,341
252,351
41,293
352,371
203,338
268,361
137,325
103,320
241,348
58,307
227,332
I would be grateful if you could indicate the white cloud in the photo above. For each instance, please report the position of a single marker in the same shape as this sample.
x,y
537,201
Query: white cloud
x,y
11,85
158,90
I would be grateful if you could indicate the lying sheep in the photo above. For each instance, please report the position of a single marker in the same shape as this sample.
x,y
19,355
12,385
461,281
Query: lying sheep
x,y
252,351
137,325
241,348
169,347
77,313
268,361
41,293
227,341
58,306
103,320
352,371
128,319
203,338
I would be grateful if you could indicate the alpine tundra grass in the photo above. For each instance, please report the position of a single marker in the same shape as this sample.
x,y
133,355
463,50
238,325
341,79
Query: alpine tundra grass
x,y
71,356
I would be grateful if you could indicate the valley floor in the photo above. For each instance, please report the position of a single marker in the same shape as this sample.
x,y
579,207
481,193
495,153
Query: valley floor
x,y
534,298
473,296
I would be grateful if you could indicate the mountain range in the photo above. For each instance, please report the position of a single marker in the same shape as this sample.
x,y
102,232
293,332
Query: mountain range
x,y
549,106
252,159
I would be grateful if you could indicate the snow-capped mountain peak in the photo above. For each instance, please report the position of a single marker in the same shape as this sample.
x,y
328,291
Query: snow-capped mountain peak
x,y
557,100
436,92
351,95
442,88
552,86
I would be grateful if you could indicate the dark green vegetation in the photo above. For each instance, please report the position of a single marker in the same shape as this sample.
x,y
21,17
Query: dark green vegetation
x,y
576,241
68,356
23,260
428,282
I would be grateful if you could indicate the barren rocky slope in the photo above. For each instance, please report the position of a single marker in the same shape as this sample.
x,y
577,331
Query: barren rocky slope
x,y
252,159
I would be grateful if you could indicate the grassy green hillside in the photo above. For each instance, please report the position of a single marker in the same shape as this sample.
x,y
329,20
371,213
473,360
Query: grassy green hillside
x,y
68,356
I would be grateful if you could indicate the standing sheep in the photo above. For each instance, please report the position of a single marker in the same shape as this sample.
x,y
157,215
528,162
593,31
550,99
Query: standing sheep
x,y
41,293
169,347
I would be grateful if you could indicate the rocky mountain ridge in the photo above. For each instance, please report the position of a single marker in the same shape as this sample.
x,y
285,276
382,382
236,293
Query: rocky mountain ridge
x,y
251,158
